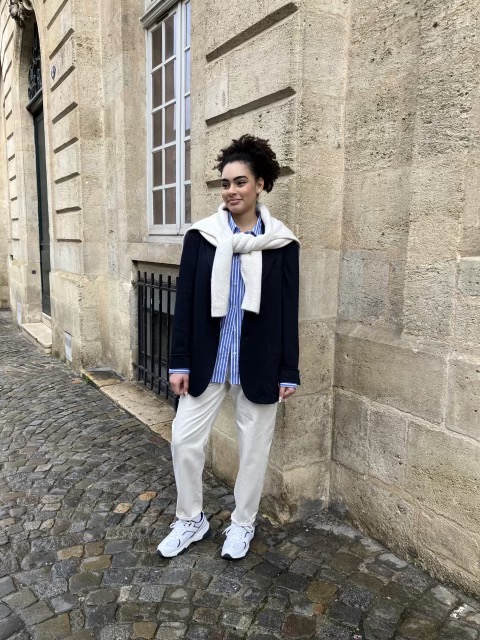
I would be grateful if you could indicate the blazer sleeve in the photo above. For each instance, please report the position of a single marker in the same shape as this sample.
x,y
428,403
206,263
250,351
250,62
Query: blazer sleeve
x,y
290,296
181,345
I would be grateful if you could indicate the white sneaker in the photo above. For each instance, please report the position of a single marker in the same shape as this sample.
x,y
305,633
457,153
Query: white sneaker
x,y
184,533
238,541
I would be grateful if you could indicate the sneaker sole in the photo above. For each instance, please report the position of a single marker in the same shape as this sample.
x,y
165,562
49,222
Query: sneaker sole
x,y
185,548
227,556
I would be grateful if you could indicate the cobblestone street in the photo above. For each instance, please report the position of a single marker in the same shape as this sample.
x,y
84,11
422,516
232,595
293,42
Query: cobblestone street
x,y
87,492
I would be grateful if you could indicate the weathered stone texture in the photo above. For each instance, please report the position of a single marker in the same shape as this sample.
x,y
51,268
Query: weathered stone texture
x,y
350,433
443,473
363,289
463,409
387,445
469,276
392,373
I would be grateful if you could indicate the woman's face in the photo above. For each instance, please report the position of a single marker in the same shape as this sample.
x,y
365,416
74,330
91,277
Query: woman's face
x,y
239,187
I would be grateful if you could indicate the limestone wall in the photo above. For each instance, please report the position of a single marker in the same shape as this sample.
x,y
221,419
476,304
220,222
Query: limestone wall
x,y
74,152
4,215
406,445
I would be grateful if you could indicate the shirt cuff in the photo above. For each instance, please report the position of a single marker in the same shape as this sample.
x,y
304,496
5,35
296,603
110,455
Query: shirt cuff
x,y
288,384
179,371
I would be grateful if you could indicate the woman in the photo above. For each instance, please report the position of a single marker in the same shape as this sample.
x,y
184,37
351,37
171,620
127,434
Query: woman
x,y
235,329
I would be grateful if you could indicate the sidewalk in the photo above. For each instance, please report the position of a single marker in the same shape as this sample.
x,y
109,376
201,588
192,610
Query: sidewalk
x,y
86,494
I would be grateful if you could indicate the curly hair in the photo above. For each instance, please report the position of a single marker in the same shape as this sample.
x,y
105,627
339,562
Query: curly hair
x,y
257,153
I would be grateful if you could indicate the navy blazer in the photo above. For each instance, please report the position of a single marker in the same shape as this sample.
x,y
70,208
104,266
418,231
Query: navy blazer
x,y
269,339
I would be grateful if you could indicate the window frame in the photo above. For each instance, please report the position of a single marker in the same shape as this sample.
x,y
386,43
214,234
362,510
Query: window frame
x,y
183,45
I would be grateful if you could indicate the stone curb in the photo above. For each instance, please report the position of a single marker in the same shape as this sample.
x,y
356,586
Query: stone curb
x,y
152,411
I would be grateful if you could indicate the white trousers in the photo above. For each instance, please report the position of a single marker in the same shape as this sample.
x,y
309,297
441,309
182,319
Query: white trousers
x,y
190,431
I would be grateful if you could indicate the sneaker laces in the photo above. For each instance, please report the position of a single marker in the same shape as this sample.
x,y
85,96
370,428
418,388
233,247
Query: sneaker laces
x,y
236,532
180,525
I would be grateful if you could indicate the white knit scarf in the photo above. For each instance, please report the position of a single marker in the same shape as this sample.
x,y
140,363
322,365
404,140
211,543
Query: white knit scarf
x,y
216,230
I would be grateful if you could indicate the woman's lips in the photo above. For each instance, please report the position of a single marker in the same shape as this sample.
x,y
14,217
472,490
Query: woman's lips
x,y
233,201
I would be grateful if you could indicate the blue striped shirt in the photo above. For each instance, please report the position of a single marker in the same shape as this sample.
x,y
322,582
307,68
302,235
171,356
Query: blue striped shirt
x,y
231,324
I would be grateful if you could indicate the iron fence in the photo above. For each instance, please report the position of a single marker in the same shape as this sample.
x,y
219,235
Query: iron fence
x,y
156,305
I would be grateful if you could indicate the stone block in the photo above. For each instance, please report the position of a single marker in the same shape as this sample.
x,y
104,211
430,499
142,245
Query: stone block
x,y
64,61
438,188
470,241
276,49
387,445
12,169
217,96
471,211
324,50
59,23
446,83
316,357
65,130
10,147
68,195
363,285
13,189
376,212
320,199
237,20
382,513
443,474
392,373
296,493
379,124
319,284
350,432
8,107
386,35
448,540
433,239
303,435
467,320
67,162
68,226
463,403
469,276
65,97
15,233
14,210
428,296
68,257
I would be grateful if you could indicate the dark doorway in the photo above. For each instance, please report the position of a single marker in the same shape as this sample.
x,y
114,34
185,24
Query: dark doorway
x,y
35,106
43,229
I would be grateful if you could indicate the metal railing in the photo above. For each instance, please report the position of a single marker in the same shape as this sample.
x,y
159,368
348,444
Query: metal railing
x,y
156,305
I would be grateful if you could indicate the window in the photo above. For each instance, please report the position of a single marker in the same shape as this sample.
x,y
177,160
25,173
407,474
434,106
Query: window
x,y
168,94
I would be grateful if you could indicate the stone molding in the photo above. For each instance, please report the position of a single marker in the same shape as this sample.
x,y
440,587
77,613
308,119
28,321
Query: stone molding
x,y
21,11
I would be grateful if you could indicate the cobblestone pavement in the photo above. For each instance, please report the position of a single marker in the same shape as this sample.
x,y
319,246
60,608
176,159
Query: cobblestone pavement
x,y
86,493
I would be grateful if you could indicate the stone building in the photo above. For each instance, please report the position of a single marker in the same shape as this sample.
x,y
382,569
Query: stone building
x,y
373,109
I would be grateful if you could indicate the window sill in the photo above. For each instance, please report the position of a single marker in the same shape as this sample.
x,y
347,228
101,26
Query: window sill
x,y
164,239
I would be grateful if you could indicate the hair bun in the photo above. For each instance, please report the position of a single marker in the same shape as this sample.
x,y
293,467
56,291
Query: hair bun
x,y
257,153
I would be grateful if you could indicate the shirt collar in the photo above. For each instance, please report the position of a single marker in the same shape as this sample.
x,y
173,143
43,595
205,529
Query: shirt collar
x,y
257,229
